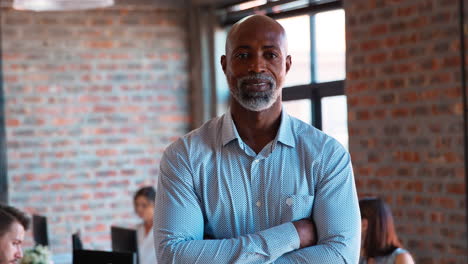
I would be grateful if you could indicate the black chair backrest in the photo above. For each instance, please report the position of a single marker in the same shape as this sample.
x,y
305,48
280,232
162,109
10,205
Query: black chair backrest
x,y
76,242
103,257
40,230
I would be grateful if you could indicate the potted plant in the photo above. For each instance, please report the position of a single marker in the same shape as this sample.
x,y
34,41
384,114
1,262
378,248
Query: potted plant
x,y
37,255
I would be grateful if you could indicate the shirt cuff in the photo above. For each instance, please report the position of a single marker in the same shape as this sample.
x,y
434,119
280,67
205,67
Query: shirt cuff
x,y
294,235
281,239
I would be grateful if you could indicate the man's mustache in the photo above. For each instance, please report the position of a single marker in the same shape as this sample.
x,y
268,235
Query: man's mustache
x,y
256,77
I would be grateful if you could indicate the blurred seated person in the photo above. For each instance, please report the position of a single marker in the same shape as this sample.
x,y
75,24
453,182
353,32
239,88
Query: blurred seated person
x,y
144,207
13,224
379,240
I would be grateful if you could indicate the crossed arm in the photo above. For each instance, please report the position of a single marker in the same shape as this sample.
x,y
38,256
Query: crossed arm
x,y
179,224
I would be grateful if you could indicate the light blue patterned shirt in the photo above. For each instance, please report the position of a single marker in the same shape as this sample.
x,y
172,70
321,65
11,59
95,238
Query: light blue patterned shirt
x,y
212,183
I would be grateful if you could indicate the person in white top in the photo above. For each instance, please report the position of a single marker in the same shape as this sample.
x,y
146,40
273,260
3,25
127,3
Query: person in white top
x,y
379,240
143,202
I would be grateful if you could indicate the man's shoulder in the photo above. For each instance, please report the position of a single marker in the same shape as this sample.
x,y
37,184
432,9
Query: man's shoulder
x,y
300,127
206,134
310,137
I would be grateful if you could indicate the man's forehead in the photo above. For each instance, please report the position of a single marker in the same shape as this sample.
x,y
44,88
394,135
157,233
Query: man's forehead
x,y
16,231
266,42
265,31
257,38
258,33
257,28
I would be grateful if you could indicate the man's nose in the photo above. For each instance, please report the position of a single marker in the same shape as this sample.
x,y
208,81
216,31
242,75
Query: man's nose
x,y
257,65
19,253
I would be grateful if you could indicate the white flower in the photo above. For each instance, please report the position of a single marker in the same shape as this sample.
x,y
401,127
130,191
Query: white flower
x,y
36,255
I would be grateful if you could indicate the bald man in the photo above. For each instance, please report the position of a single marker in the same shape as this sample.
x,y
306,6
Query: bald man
x,y
256,180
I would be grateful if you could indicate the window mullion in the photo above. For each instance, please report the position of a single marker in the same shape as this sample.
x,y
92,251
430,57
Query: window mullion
x,y
316,109
315,100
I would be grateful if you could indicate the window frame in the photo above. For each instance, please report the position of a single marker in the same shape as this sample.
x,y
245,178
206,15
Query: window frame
x,y
315,92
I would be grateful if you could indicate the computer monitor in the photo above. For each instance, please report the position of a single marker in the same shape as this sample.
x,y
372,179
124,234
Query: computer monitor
x,y
124,239
40,230
103,257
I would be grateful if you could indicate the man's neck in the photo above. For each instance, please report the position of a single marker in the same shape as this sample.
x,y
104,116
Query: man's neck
x,y
257,129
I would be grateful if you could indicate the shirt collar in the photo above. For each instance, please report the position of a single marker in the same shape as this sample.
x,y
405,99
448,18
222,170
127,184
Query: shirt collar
x,y
285,134
228,130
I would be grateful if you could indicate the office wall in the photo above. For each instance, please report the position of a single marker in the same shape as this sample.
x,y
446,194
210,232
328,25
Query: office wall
x,y
92,98
406,122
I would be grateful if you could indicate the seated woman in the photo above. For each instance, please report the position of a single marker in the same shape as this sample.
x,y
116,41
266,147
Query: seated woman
x,y
13,224
143,202
379,241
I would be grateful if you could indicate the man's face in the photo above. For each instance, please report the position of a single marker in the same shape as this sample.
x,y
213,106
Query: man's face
x,y
256,64
10,244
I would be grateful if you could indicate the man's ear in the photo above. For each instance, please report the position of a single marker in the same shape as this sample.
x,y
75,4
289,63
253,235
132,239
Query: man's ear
x,y
288,63
223,63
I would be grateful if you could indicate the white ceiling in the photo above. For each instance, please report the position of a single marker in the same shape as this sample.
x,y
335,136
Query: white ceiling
x,y
176,2
163,3
217,2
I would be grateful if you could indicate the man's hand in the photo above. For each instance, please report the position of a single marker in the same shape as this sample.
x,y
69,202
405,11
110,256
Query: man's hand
x,y
307,233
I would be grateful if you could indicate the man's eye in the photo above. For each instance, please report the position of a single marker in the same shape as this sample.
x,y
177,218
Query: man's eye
x,y
271,55
242,55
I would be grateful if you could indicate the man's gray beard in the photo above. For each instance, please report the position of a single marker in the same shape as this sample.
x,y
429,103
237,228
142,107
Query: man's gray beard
x,y
255,101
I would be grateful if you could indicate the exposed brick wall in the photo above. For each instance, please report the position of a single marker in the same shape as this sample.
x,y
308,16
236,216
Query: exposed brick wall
x,y
406,119
92,99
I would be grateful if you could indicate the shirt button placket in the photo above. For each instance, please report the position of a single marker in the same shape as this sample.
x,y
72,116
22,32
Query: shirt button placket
x,y
255,181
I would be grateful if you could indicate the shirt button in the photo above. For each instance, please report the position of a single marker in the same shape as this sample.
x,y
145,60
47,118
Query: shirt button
x,y
256,161
289,201
259,203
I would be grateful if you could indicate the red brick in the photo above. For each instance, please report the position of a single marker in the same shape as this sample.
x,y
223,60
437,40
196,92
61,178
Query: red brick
x,y
417,216
128,172
399,54
379,29
175,118
456,189
13,122
452,62
357,88
414,186
385,171
406,11
377,58
100,44
364,171
106,152
399,113
370,45
406,68
363,115
104,109
410,97
64,121
380,114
